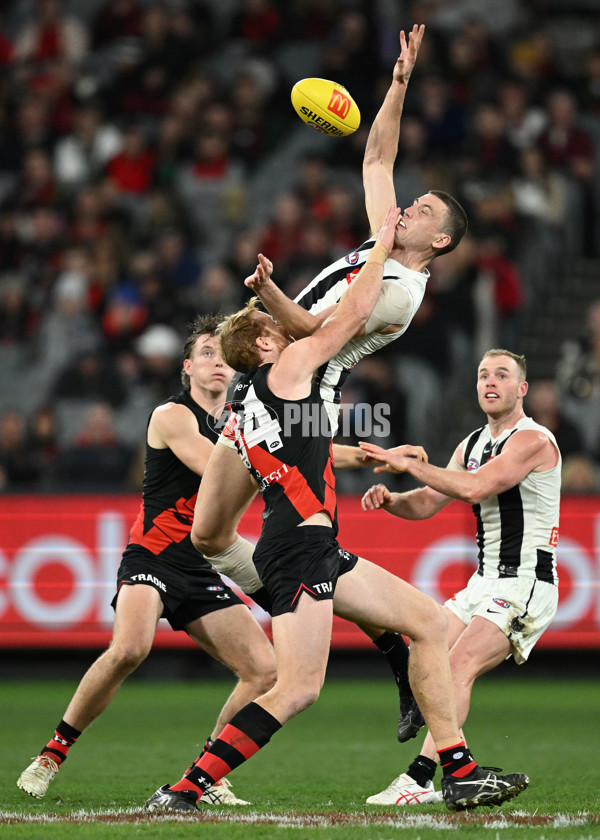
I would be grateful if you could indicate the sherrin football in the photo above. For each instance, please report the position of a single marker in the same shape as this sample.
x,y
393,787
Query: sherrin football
x,y
326,106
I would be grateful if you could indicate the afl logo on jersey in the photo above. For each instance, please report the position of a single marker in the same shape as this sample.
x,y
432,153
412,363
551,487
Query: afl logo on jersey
x,y
500,602
352,259
472,464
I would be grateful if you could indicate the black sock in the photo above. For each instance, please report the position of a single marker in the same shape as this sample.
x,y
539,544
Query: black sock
x,y
422,770
249,730
63,739
457,760
395,650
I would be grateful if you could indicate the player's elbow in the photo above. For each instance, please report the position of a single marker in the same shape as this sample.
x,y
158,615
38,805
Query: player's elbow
x,y
475,495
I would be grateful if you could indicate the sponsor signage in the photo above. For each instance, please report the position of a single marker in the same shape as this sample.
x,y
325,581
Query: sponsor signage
x,y
59,556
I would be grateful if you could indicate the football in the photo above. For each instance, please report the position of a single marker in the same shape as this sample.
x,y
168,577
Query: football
x,y
326,106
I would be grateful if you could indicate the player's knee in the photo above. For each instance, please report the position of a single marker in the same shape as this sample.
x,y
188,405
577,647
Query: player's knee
x,y
260,672
307,694
127,656
436,622
206,542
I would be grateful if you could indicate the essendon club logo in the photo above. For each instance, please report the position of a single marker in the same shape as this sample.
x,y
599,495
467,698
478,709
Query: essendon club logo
x,y
339,104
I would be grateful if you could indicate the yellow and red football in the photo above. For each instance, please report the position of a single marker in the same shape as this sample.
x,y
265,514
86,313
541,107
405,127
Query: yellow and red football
x,y
326,106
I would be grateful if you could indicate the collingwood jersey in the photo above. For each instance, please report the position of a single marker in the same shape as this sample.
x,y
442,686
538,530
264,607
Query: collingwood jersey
x,y
169,491
327,288
517,530
286,446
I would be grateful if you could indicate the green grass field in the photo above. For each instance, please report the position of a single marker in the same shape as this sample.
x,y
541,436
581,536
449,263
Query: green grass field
x,y
312,779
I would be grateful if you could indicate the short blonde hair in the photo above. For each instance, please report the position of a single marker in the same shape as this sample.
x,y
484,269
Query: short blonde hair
x,y
238,334
520,360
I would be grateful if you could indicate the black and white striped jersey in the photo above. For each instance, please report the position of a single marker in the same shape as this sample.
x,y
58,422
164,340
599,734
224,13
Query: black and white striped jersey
x,y
327,288
517,530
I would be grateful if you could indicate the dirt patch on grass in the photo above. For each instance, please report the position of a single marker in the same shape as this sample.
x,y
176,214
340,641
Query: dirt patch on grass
x,y
316,820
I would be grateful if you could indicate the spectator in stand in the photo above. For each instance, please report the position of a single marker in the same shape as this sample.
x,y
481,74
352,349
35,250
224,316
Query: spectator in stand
x,y
115,20
18,318
487,154
92,377
578,378
500,294
67,325
81,155
543,406
523,121
580,475
442,116
89,216
132,169
217,290
589,84
177,260
51,33
20,469
159,349
283,234
258,25
568,148
98,460
36,185
42,441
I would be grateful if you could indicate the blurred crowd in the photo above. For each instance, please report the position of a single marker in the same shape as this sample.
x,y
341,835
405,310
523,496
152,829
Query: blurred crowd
x,y
149,151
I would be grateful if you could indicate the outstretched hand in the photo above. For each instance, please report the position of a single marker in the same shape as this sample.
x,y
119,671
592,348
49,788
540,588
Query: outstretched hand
x,y
396,460
261,276
408,53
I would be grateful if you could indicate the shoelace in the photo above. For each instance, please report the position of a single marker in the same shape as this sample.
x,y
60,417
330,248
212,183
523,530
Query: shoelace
x,y
44,761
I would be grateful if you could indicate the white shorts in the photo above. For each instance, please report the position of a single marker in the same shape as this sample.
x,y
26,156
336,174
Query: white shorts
x,y
521,608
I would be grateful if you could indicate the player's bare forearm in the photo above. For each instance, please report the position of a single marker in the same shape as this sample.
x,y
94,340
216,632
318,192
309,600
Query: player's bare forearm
x,y
350,457
293,318
422,503
382,142
412,505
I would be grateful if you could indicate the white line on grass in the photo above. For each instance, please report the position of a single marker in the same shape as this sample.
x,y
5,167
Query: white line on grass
x,y
515,819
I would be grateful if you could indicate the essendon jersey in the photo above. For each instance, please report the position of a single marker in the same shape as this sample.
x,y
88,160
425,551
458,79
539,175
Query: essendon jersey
x,y
169,494
286,446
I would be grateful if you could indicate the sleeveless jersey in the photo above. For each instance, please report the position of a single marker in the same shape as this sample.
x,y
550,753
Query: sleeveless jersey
x,y
517,530
327,288
286,446
169,491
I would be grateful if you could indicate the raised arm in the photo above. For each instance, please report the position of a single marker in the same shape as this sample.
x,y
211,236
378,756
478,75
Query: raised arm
x,y
296,321
382,143
299,360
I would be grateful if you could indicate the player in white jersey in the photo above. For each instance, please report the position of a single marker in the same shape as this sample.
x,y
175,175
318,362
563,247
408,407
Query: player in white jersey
x,y
509,471
432,225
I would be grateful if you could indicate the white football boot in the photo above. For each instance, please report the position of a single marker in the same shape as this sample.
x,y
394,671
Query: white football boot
x,y
405,791
35,779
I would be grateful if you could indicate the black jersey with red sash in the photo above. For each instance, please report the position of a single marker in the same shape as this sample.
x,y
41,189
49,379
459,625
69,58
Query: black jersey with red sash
x,y
286,446
169,493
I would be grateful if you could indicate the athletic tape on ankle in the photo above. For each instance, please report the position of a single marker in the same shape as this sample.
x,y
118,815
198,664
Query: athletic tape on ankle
x,y
236,563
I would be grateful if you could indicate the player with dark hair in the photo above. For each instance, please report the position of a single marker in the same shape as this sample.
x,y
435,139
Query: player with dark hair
x,y
162,575
509,470
278,438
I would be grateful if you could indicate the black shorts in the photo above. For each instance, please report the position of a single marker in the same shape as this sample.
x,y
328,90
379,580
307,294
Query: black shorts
x,y
187,593
305,559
